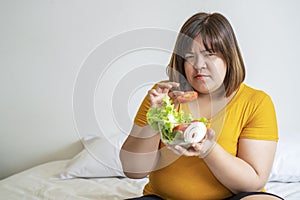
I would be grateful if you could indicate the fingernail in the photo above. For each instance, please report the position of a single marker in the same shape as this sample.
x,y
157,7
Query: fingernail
x,y
177,147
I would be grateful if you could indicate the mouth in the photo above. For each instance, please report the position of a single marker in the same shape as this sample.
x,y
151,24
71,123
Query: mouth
x,y
201,76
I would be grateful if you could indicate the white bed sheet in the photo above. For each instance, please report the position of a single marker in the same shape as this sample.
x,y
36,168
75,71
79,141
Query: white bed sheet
x,y
288,191
40,183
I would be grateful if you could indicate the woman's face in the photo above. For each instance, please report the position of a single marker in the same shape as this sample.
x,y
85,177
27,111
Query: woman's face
x,y
204,69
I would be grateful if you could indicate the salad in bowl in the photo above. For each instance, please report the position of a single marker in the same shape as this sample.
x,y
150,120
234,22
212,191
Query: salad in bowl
x,y
176,127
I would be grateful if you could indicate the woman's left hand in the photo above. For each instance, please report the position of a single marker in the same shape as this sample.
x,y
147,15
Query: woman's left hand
x,y
200,149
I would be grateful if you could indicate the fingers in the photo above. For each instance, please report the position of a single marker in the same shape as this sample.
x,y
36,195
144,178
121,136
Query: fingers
x,y
167,85
155,98
174,94
210,134
196,146
200,149
160,91
163,88
179,150
176,149
153,93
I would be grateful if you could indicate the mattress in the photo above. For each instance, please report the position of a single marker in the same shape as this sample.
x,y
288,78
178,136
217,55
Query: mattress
x,y
289,191
42,182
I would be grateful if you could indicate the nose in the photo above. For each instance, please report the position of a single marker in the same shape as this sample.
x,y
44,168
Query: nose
x,y
200,62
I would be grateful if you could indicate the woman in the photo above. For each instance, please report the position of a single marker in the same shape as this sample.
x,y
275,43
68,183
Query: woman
x,y
236,156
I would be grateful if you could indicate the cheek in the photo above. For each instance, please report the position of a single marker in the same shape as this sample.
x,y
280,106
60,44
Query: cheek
x,y
188,67
221,69
221,73
188,70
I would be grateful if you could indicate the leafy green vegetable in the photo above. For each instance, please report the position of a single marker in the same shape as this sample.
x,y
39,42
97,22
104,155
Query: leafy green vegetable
x,y
204,120
166,117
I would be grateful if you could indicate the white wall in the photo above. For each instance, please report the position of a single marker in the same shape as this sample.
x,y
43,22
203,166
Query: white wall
x,y
45,44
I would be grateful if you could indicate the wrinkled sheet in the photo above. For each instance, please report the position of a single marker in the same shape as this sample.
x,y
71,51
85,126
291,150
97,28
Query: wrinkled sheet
x,y
288,191
41,183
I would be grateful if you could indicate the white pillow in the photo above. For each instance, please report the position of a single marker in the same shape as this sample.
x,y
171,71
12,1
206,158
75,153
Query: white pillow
x,y
286,167
99,158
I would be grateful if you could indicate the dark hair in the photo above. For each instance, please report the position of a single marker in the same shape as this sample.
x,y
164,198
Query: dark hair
x,y
216,33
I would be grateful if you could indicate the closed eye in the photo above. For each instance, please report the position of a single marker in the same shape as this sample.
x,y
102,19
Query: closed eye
x,y
208,52
189,56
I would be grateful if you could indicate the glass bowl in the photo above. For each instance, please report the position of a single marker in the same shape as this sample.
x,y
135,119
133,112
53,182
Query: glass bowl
x,y
183,134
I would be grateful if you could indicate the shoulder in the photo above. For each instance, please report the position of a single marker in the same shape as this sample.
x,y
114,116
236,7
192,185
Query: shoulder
x,y
259,115
249,98
251,94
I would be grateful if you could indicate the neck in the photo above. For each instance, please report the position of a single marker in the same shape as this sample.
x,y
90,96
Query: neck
x,y
212,103
219,94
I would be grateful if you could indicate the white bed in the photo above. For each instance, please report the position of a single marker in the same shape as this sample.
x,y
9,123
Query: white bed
x,y
88,176
41,182
289,191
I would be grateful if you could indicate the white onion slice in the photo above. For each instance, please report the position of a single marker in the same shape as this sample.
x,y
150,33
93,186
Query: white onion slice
x,y
195,132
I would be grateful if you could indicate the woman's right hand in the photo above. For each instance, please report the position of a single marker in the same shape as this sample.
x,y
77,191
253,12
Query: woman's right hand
x,y
160,91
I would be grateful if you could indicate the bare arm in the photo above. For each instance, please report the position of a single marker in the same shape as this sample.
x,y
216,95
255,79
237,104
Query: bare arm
x,y
248,171
139,152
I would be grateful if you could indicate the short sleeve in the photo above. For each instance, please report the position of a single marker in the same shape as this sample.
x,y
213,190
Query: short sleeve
x,y
262,122
140,117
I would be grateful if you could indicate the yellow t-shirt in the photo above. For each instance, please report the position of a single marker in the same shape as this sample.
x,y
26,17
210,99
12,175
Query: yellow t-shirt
x,y
250,114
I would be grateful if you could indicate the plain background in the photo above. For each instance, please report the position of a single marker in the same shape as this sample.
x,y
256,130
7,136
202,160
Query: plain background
x,y
44,44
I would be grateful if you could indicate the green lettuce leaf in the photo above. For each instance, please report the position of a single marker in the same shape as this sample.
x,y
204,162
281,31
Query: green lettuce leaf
x,y
166,116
